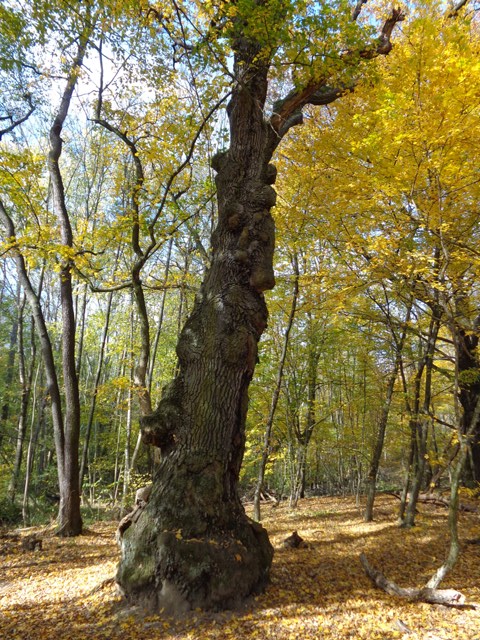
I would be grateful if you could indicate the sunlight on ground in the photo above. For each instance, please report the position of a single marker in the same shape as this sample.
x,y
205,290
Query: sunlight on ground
x,y
316,592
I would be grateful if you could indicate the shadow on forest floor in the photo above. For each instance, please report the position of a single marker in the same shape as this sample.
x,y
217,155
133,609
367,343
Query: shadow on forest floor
x,y
316,592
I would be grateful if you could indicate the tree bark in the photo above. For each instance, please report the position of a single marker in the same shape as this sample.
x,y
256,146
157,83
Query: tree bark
x,y
193,545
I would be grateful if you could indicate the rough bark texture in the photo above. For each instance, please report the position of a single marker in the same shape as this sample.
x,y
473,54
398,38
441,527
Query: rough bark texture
x,y
193,546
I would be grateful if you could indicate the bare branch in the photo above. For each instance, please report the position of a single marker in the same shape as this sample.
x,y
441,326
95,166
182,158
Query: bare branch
x,y
139,175
453,13
16,123
184,164
358,9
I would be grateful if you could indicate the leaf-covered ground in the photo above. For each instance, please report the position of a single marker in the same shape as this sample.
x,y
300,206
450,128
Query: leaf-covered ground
x,y
316,592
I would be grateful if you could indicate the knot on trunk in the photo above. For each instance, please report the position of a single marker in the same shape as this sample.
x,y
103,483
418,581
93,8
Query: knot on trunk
x,y
159,428
270,174
142,497
217,160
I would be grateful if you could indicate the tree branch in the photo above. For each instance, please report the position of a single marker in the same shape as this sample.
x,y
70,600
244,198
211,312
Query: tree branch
x,y
358,9
139,180
453,13
446,597
287,111
16,123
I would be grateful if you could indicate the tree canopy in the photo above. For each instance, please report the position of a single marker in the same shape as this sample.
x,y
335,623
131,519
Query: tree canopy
x,y
143,241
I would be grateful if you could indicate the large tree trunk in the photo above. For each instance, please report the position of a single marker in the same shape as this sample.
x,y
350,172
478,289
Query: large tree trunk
x,y
193,545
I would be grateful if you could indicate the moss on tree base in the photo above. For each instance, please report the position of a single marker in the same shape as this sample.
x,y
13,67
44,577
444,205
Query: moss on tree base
x,y
162,569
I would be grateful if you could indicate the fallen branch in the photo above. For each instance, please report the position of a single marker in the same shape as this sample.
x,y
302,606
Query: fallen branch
x,y
435,499
446,597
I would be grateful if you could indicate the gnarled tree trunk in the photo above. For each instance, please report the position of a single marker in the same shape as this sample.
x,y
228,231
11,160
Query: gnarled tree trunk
x,y
193,545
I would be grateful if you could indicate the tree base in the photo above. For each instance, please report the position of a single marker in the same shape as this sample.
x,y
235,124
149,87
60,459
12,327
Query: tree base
x,y
175,571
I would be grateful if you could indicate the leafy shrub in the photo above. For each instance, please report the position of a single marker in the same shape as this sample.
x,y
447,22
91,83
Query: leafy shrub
x,y
10,512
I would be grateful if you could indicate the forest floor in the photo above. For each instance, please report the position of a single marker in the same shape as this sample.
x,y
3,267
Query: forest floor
x,y
318,592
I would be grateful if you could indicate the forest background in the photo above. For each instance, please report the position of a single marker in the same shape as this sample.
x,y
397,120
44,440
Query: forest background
x,y
368,374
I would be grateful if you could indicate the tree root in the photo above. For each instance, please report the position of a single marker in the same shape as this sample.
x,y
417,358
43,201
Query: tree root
x,y
446,597
141,500
108,582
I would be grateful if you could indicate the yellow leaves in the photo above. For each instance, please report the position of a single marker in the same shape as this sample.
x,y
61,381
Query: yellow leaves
x,y
320,592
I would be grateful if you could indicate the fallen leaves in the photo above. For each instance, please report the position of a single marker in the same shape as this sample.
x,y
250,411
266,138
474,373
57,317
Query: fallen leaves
x,y
65,591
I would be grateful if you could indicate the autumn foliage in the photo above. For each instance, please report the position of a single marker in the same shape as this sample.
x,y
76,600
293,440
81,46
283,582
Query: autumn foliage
x,y
64,591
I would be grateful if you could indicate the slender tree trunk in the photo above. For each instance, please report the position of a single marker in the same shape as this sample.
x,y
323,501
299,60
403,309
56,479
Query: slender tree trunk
x,y
275,397
81,316
304,436
69,516
406,484
371,482
382,427
136,451
120,414
160,319
128,436
45,345
466,432
9,374
421,421
103,343
26,385
35,429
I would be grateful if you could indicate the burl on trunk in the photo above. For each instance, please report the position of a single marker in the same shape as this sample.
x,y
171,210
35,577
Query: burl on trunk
x,y
193,545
